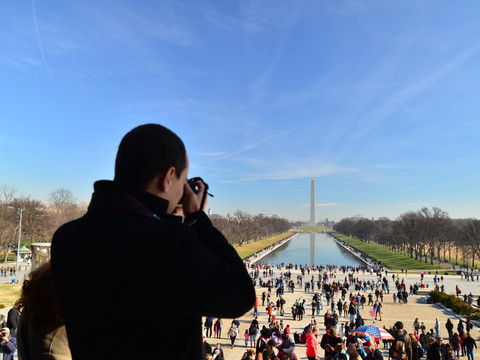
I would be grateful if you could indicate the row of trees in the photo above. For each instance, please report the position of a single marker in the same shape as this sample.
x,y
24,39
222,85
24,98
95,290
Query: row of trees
x,y
242,227
424,234
39,220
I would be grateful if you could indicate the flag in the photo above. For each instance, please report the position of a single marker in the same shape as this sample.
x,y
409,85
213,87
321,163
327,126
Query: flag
x,y
373,311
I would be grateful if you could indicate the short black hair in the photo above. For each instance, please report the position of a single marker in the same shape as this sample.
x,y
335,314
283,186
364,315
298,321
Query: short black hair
x,y
146,151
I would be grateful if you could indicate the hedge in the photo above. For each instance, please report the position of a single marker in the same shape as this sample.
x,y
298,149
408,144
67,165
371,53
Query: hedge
x,y
456,304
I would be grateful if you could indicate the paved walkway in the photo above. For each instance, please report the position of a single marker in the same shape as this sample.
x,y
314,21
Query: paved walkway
x,y
392,312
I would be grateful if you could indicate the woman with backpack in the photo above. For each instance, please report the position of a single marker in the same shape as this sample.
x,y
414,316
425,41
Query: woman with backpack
x,y
417,351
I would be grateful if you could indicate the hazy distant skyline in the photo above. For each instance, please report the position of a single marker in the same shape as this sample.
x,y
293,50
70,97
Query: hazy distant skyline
x,y
378,101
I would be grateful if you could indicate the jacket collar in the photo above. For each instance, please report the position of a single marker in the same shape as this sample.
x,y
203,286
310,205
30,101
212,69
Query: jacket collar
x,y
122,197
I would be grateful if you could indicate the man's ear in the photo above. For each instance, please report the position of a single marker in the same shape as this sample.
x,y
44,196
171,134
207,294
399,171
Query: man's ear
x,y
164,180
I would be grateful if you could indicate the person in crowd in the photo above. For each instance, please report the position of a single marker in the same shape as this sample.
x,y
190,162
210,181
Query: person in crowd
x,y
463,336
208,325
217,328
401,334
233,333
438,350
13,318
417,351
339,350
269,353
41,330
416,325
246,337
312,344
150,203
449,327
249,355
460,327
206,346
423,328
449,353
328,342
352,352
437,327
217,352
455,342
8,344
265,336
359,321
470,344
252,333
372,352
378,312
287,347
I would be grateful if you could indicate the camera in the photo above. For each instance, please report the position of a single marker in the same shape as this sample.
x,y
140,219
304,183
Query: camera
x,y
193,185
3,334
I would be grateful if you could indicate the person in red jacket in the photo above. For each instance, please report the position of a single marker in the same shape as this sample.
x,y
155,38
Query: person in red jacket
x,y
312,344
255,307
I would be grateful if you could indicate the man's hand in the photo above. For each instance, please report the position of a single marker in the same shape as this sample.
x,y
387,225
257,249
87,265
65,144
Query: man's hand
x,y
192,201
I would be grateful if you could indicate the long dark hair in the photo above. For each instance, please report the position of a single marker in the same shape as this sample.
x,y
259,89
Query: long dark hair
x,y
41,308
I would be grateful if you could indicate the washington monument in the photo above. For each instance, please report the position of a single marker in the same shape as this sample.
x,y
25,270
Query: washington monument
x,y
312,203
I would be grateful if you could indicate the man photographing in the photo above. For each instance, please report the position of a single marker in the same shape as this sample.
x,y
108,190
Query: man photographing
x,y
143,306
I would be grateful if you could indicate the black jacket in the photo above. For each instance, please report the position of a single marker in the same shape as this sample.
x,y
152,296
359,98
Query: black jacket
x,y
133,281
437,352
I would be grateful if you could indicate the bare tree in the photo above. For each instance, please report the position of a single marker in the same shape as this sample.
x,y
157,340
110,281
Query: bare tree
x,y
434,226
407,227
243,227
63,208
470,232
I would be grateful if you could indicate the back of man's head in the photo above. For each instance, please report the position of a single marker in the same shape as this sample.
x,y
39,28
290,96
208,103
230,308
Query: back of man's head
x,y
146,151
399,325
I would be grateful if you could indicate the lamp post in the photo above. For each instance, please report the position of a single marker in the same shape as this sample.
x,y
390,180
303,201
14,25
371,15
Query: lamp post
x,y
19,236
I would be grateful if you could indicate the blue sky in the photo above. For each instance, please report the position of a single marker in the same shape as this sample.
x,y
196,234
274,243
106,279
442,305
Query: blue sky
x,y
379,101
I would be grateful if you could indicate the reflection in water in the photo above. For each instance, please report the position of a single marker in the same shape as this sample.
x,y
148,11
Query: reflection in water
x,y
311,248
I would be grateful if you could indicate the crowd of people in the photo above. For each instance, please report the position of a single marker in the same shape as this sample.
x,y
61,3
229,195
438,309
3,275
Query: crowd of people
x,y
336,295
8,271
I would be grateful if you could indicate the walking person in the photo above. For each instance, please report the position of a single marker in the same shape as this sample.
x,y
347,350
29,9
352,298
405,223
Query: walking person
x,y
437,327
437,350
312,344
217,328
449,327
455,341
416,325
246,336
233,333
469,344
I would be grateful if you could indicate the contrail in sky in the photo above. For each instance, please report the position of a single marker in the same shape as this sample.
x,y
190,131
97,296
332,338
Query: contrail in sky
x,y
40,43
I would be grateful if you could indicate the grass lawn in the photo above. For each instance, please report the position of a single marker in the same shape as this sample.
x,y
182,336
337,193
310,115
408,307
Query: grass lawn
x,y
9,293
246,250
312,228
391,259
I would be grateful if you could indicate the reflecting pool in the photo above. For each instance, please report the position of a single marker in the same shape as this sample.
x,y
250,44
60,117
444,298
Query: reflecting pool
x,y
311,248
